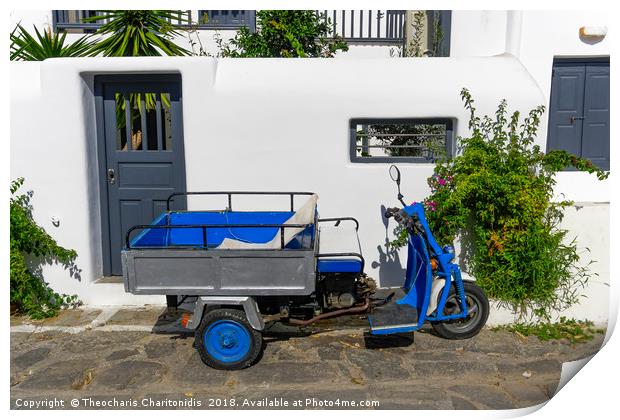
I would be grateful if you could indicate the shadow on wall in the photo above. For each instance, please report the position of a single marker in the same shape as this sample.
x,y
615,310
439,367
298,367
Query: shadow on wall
x,y
465,254
391,270
35,263
590,40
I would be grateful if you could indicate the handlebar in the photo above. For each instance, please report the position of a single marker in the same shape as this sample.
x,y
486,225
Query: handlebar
x,y
409,222
391,212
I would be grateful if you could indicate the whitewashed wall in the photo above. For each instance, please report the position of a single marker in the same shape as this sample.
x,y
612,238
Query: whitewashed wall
x,y
257,124
283,124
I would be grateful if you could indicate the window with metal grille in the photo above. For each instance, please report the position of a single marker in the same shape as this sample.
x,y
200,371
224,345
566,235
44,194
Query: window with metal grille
x,y
400,140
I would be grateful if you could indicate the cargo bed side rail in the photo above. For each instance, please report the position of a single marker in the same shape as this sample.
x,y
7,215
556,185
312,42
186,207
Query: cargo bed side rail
x,y
230,194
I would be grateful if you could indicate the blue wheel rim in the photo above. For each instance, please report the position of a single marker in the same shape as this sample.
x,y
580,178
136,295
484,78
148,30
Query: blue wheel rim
x,y
227,341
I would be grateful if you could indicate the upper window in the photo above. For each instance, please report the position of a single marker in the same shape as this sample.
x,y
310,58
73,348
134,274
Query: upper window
x,y
400,140
72,21
227,19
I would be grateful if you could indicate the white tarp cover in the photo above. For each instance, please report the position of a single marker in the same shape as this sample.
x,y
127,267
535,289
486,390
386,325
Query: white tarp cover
x,y
303,216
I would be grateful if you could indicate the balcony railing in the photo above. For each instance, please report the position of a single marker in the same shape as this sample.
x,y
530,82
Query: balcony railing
x,y
73,20
377,27
355,26
367,26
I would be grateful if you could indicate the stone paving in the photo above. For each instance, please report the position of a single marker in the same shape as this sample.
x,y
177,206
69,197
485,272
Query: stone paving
x,y
142,359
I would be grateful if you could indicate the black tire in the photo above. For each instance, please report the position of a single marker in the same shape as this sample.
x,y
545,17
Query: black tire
x,y
230,324
459,329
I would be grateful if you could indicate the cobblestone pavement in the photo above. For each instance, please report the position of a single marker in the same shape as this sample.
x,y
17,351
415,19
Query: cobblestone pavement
x,y
140,358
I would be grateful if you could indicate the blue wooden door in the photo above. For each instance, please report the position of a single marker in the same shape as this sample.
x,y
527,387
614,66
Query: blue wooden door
x,y
143,161
596,137
579,110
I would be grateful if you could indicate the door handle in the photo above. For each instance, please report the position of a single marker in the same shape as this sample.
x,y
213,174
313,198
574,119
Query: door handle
x,y
573,119
111,176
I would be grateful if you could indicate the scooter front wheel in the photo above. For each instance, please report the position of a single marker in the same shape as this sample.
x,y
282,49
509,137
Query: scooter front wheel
x,y
478,313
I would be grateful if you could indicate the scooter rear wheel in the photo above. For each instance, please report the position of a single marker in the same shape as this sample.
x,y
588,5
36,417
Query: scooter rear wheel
x,y
478,313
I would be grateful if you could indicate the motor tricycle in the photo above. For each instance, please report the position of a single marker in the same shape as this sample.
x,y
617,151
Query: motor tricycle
x,y
238,270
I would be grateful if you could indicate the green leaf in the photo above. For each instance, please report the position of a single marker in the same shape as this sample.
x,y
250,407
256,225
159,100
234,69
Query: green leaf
x,y
285,33
28,290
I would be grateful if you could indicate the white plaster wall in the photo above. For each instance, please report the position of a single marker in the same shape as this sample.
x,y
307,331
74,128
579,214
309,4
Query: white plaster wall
x,y
477,32
368,51
42,19
256,124
298,110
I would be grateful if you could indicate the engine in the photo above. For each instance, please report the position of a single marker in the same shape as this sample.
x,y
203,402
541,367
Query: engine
x,y
344,290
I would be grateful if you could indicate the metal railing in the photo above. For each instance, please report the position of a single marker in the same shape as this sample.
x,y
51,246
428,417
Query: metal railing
x,y
230,194
367,26
355,26
204,243
74,20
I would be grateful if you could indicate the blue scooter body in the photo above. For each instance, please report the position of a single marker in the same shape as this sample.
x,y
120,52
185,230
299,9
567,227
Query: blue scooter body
x,y
418,282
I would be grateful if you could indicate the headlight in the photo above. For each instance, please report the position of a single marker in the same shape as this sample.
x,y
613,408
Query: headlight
x,y
448,249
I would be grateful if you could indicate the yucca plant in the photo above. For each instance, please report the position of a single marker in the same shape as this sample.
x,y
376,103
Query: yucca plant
x,y
25,46
132,33
138,103
138,33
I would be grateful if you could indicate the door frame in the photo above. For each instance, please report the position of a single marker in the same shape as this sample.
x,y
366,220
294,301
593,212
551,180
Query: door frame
x,y
134,78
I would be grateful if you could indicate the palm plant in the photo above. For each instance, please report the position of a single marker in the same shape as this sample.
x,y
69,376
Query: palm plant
x,y
25,46
138,33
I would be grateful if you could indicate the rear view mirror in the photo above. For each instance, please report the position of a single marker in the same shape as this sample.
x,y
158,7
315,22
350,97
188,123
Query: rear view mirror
x,y
395,174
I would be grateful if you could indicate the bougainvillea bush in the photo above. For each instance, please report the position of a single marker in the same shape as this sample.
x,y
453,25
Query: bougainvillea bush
x,y
497,196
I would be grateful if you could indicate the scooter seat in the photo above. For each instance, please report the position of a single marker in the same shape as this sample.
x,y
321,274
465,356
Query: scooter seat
x,y
329,265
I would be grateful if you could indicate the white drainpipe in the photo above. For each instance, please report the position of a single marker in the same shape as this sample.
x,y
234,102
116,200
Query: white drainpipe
x,y
514,19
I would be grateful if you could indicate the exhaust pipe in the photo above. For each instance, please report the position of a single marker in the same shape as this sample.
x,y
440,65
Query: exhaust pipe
x,y
353,310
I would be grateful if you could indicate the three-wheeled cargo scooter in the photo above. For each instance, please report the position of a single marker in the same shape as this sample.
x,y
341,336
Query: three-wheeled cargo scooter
x,y
241,269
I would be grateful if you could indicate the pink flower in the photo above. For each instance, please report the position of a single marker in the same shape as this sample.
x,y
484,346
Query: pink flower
x,y
441,181
431,205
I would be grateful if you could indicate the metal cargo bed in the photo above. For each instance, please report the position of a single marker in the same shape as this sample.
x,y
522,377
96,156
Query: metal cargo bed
x,y
224,252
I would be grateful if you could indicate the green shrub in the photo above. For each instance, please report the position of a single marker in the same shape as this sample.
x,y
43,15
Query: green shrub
x,y
497,194
285,33
30,247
